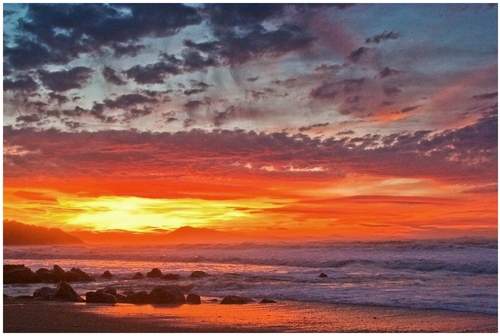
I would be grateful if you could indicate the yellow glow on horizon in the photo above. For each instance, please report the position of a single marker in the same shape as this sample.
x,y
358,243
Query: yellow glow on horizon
x,y
147,215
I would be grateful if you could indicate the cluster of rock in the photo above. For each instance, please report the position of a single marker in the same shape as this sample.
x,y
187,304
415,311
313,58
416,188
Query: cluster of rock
x,y
18,274
13,274
158,295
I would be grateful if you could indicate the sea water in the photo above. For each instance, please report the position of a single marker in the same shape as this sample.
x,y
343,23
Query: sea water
x,y
457,274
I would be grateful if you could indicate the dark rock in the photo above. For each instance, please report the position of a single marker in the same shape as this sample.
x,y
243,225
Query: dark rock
x,y
199,274
82,275
65,292
171,276
267,301
233,299
107,275
154,273
44,293
193,298
141,297
120,298
166,294
109,290
20,275
137,276
323,275
8,268
100,297
71,276
58,273
46,275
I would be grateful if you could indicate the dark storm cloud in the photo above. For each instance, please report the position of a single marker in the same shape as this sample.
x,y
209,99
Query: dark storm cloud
x,y
153,73
58,33
65,80
23,84
357,54
221,117
126,49
194,60
240,48
486,96
409,109
388,72
28,118
188,123
111,76
128,100
308,128
242,36
331,90
61,99
391,90
193,104
383,36
206,47
198,87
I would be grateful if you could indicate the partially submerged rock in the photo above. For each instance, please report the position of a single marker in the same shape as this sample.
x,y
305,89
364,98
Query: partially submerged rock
x,y
323,275
107,275
154,273
100,297
267,301
137,276
193,298
233,299
171,276
199,274
20,274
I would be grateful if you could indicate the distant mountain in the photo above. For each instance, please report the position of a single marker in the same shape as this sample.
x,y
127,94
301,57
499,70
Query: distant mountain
x,y
16,233
182,235
191,235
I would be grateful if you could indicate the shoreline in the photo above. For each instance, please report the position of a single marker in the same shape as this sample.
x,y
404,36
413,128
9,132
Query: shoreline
x,y
53,316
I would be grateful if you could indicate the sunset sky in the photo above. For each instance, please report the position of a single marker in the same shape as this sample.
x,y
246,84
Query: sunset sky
x,y
359,121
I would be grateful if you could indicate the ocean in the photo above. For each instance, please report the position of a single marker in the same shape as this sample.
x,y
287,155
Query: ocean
x,y
457,274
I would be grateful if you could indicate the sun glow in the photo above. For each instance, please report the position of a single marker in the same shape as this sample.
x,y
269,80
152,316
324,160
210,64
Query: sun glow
x,y
143,215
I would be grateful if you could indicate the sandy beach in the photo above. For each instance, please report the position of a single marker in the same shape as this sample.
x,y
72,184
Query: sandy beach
x,y
40,316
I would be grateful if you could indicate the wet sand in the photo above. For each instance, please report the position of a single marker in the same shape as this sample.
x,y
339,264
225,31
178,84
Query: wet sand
x,y
40,316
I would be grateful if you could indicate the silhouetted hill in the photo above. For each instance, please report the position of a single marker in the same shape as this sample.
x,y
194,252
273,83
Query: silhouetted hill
x,y
188,234
16,233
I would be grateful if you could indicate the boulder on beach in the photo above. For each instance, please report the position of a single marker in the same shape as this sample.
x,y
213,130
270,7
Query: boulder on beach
x,y
137,276
107,275
267,301
46,275
171,276
141,297
99,297
65,292
20,274
233,299
199,274
193,298
154,273
44,293
109,290
166,294
10,267
58,273
323,275
82,276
